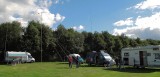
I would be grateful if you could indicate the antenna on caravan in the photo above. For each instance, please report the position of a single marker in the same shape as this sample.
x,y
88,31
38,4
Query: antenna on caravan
x,y
5,45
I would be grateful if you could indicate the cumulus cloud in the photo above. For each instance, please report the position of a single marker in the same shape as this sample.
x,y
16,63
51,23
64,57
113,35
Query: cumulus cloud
x,y
145,33
80,27
60,1
152,21
27,10
56,1
148,4
143,27
58,17
127,22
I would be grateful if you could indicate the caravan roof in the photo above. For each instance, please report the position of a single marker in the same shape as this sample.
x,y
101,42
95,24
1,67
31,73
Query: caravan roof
x,y
104,53
142,47
16,53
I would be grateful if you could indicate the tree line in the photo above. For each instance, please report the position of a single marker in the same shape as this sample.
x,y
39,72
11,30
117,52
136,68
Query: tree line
x,y
56,44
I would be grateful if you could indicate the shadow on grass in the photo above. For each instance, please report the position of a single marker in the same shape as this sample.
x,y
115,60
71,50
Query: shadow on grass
x,y
62,62
3,63
86,65
126,69
82,65
134,70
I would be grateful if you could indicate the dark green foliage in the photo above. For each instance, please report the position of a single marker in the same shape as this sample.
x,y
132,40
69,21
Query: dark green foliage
x,y
108,38
10,34
98,42
32,37
88,41
57,44
118,46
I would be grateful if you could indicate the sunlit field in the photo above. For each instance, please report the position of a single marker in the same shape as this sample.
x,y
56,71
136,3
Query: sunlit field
x,y
60,69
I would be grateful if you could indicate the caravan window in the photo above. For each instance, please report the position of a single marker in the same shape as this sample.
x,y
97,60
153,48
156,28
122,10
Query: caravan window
x,y
105,54
155,49
29,56
101,57
148,54
157,55
126,54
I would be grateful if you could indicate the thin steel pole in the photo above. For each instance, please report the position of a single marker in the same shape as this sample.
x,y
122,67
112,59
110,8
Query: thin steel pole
x,y
6,38
41,39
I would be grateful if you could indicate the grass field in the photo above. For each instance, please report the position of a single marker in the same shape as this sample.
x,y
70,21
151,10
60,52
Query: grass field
x,y
60,69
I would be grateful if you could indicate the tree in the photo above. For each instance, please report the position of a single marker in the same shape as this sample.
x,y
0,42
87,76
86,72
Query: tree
x,y
108,38
61,41
48,43
133,43
125,40
88,41
32,38
4,35
75,41
11,35
152,42
118,46
99,43
69,40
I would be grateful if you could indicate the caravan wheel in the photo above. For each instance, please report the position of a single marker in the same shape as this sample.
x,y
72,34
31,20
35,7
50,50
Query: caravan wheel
x,y
105,65
89,64
32,61
137,67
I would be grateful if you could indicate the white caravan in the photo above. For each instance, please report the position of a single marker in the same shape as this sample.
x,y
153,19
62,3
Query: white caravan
x,y
18,57
144,56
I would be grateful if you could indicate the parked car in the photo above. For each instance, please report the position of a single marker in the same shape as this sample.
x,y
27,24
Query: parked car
x,y
99,58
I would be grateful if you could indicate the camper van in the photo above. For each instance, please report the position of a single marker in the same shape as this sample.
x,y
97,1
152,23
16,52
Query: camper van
x,y
99,58
11,56
144,56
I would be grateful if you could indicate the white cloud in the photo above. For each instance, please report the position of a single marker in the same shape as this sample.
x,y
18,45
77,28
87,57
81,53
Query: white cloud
x,y
143,27
127,22
152,21
27,10
145,33
60,1
58,17
44,3
75,28
148,4
56,1
80,27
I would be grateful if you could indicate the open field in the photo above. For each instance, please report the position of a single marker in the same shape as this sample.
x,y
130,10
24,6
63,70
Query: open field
x,y
60,69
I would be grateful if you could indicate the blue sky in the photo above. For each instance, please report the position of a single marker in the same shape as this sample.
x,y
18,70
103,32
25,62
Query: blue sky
x,y
134,18
94,15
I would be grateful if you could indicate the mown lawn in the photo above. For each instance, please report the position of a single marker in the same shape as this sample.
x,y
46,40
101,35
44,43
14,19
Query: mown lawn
x,y
60,69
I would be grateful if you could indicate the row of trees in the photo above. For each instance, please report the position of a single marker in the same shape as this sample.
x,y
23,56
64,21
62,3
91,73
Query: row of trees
x,y
59,43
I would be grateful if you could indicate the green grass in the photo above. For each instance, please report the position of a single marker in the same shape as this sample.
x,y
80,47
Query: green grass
x,y
58,69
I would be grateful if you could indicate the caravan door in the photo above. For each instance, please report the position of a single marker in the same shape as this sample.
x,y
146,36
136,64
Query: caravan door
x,y
143,58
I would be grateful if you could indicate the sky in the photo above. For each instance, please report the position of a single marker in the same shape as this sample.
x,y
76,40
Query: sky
x,y
134,18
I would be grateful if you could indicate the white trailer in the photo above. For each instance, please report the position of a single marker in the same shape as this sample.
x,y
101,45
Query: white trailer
x,y
18,57
144,56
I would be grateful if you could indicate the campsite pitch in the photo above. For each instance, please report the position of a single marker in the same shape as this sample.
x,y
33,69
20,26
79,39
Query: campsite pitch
x,y
61,69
